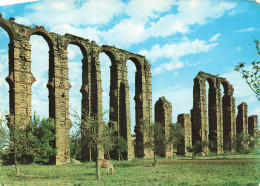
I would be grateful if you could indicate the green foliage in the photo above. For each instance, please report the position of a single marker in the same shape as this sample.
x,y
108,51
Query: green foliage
x,y
197,148
120,146
176,133
98,134
252,76
44,131
75,147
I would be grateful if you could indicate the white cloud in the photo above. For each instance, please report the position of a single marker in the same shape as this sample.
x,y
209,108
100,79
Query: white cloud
x,y
142,10
68,12
189,13
180,97
10,2
175,52
250,29
215,37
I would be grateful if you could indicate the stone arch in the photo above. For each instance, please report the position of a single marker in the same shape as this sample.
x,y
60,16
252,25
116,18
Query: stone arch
x,y
226,86
206,122
41,32
136,61
211,82
77,42
228,116
9,29
109,52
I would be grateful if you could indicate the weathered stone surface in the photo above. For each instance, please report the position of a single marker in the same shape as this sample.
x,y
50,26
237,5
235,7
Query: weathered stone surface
x,y
242,119
186,142
163,115
20,80
218,122
253,125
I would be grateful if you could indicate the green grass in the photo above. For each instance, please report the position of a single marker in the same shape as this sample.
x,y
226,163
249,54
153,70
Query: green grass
x,y
234,170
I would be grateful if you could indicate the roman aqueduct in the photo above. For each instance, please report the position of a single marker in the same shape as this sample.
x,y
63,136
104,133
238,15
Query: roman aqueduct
x,y
223,123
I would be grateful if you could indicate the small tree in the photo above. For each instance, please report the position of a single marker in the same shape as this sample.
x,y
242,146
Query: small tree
x,y
120,146
4,136
155,139
197,147
22,143
98,135
44,131
176,134
252,76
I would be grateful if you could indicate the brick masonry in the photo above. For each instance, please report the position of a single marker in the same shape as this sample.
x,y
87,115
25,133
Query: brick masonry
x,y
163,115
20,80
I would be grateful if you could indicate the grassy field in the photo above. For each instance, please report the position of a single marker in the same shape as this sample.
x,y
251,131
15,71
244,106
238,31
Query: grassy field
x,y
234,170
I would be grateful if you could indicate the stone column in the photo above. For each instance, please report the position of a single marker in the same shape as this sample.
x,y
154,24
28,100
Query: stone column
x,y
96,92
59,86
253,125
229,121
163,115
199,113
124,110
20,81
242,120
182,146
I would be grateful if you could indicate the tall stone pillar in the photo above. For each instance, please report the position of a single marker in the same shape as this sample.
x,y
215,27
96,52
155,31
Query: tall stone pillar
x,y
253,125
229,120
186,142
199,113
85,105
59,86
242,119
124,110
163,115
20,80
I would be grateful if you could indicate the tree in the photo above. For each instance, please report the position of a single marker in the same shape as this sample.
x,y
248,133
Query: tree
x,y
22,141
176,134
197,147
155,139
98,135
120,146
44,132
252,76
4,135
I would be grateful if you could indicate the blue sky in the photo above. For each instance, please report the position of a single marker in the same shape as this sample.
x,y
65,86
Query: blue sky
x,y
179,39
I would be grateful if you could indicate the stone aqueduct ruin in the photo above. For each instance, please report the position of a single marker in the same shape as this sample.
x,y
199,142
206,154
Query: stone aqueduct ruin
x,y
223,124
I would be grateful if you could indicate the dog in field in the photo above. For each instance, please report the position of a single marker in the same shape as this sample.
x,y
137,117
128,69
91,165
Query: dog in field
x,y
103,163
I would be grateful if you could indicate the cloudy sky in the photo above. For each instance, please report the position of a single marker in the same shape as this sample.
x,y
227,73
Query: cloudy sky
x,y
179,39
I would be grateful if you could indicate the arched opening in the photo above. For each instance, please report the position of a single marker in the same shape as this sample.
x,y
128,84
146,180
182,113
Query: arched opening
x,y
131,71
4,63
39,69
211,114
75,79
226,115
105,68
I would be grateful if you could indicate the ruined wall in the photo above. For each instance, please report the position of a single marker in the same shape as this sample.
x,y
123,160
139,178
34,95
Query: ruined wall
x,y
242,119
20,80
218,122
163,115
253,125
182,146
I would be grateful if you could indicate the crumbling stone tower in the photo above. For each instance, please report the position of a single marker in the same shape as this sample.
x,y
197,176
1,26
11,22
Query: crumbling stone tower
x,y
242,120
253,125
163,115
220,112
182,146
20,80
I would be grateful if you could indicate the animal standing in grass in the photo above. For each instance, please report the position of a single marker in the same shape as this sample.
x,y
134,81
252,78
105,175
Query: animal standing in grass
x,y
103,163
